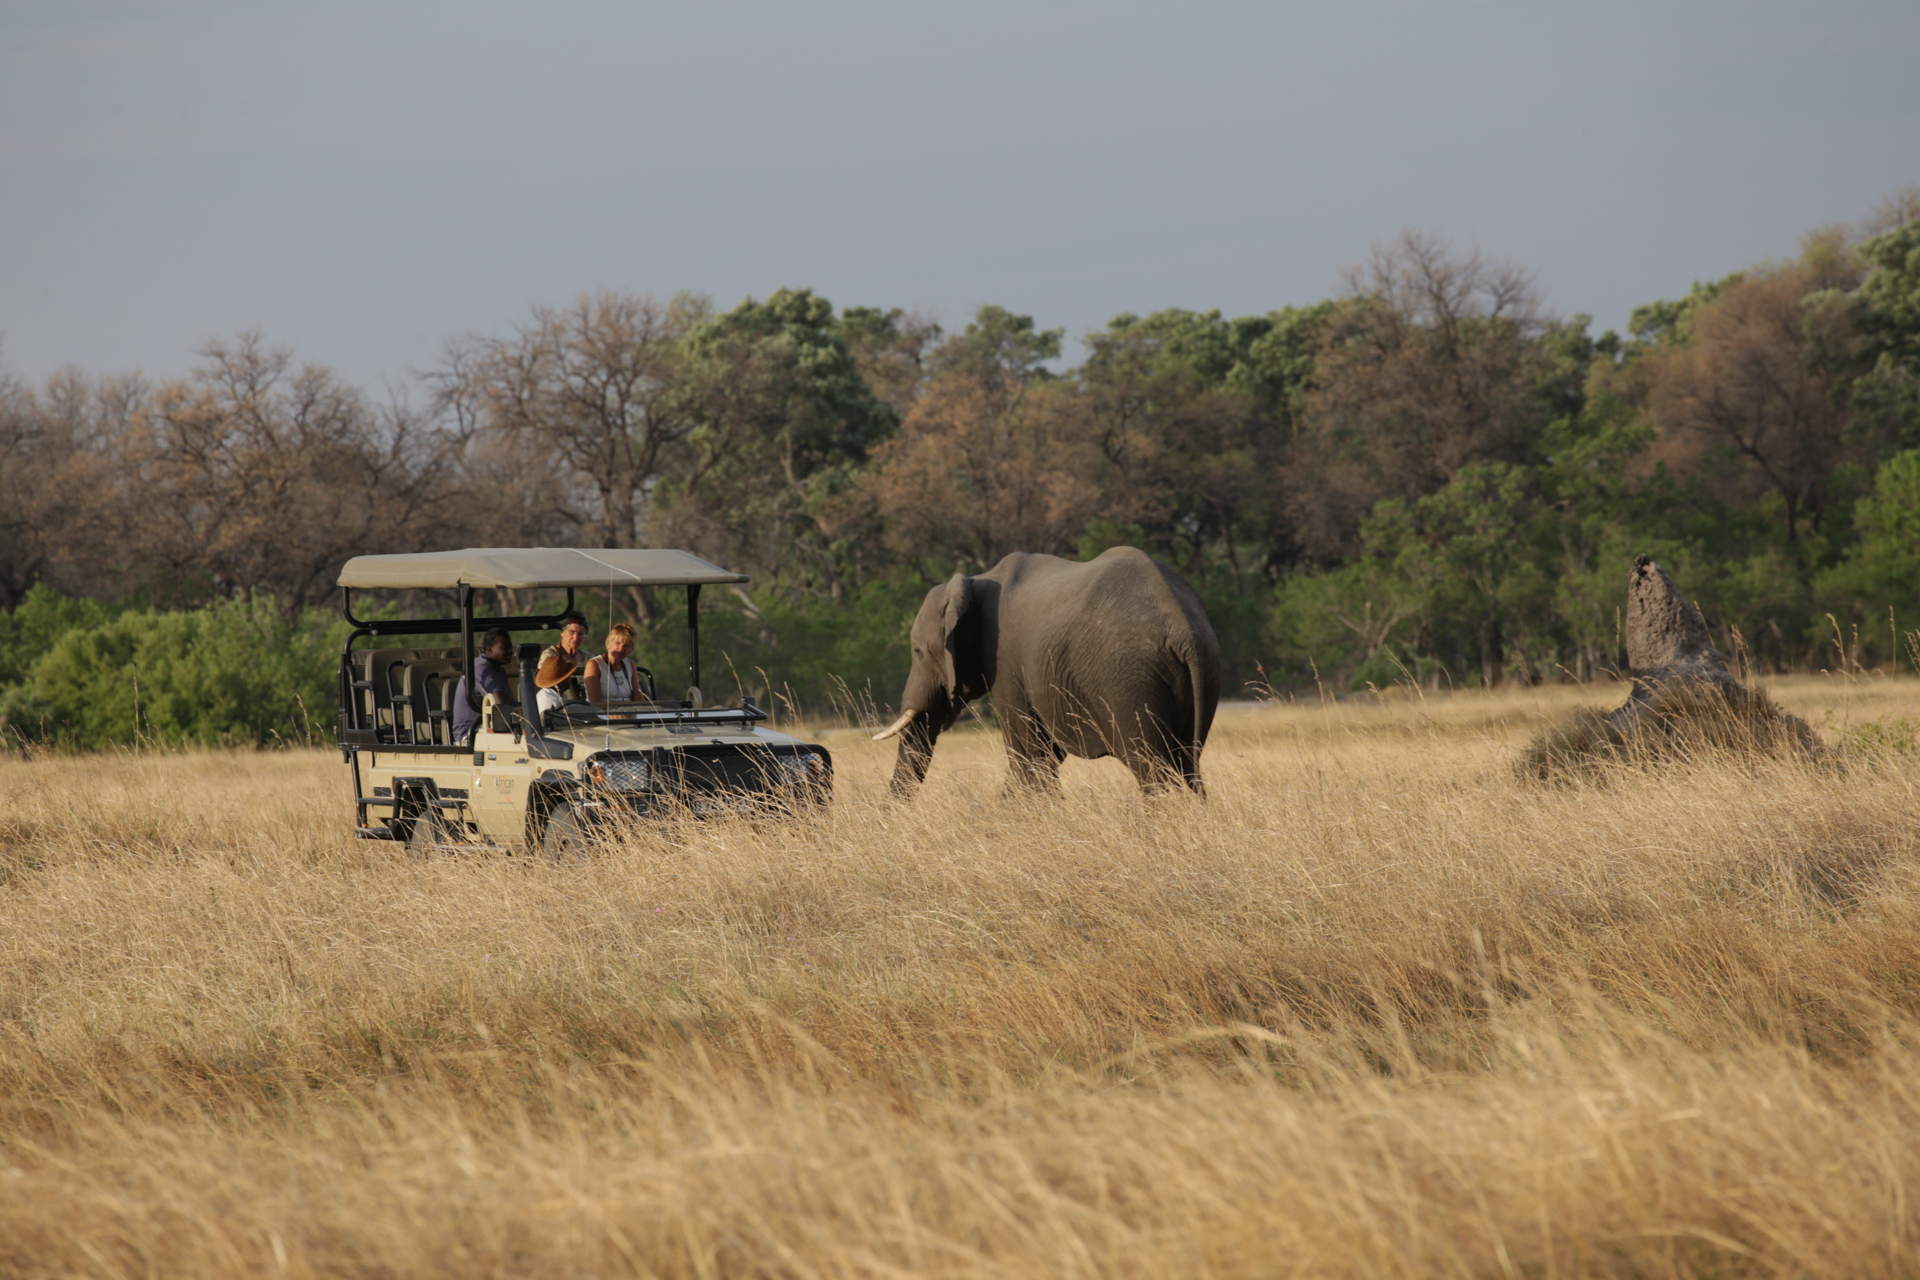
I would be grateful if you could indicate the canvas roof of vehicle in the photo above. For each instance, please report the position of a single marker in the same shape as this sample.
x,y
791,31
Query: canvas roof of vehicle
x,y
534,567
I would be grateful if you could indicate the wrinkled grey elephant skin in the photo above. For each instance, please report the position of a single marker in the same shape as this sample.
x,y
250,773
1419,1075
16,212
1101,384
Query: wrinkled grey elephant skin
x,y
1113,657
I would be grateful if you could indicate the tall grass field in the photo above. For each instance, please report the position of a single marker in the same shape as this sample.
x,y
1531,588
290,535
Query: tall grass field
x,y
1375,1007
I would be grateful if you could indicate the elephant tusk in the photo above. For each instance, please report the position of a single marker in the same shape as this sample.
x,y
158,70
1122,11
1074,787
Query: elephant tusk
x,y
906,718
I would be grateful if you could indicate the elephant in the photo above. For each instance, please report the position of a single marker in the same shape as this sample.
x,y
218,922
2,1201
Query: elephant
x,y
1113,656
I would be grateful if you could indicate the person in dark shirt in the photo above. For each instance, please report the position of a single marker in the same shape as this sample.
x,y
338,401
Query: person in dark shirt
x,y
489,676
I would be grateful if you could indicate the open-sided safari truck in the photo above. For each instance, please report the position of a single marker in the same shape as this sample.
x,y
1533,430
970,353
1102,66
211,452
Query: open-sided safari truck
x,y
531,778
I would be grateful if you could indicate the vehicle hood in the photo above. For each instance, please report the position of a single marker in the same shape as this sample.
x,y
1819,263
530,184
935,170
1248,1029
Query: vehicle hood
x,y
588,740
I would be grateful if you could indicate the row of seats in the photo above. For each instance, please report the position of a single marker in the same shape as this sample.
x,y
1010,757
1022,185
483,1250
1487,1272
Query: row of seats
x,y
406,695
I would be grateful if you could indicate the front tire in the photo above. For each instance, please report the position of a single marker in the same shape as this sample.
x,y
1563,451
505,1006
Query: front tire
x,y
567,835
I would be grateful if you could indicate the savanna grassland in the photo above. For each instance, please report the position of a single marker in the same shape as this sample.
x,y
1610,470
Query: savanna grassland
x,y
1373,1009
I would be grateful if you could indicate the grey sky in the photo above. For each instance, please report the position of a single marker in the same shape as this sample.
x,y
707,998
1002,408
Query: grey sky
x,y
363,181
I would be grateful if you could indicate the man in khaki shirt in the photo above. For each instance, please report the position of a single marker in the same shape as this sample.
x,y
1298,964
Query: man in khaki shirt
x,y
561,665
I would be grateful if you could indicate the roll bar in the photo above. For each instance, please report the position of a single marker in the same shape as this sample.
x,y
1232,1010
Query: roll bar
x,y
464,626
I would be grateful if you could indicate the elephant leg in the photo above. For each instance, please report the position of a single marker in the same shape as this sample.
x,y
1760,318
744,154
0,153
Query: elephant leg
x,y
1158,754
1033,757
1152,771
1159,766
1188,759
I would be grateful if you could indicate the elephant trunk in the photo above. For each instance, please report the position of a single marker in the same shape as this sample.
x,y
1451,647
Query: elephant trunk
x,y
916,753
917,735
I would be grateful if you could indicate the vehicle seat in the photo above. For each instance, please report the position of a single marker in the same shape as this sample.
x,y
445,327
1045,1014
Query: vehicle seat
x,y
392,681
430,713
529,656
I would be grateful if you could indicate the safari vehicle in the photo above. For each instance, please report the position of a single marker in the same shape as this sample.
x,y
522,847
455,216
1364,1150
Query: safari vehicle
x,y
533,779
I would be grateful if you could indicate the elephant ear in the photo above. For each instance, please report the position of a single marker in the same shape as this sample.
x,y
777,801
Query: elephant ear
x,y
959,607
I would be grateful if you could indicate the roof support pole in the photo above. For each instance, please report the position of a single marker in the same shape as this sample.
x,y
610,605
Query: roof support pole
x,y
693,635
466,650
349,703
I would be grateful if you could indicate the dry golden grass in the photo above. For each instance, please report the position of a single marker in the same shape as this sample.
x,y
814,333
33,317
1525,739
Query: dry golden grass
x,y
1373,1009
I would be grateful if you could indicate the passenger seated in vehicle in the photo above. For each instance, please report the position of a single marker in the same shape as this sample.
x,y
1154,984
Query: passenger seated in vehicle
x,y
561,665
613,677
489,676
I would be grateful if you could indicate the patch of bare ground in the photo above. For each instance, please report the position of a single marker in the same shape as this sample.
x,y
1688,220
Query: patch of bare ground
x,y
1375,1008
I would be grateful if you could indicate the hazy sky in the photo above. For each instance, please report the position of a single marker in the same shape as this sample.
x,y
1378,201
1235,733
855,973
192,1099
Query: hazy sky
x,y
363,181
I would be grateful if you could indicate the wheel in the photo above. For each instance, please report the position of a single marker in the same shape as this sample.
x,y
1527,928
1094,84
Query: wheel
x,y
427,830
567,834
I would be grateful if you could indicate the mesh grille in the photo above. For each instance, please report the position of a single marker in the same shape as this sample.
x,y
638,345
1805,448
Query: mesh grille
x,y
627,775
725,769
713,777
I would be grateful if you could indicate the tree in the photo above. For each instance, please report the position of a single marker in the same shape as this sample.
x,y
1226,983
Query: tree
x,y
512,489
1669,322
227,674
1429,364
1880,574
60,481
1003,350
890,349
1181,450
1593,517
602,386
785,419
1739,391
1888,317
597,398
256,475
992,457
1345,621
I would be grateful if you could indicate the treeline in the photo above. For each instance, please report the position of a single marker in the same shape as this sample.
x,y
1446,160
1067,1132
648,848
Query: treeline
x,y
1424,476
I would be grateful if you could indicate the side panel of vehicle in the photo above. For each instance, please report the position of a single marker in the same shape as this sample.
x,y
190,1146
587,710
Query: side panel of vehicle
x,y
503,784
413,779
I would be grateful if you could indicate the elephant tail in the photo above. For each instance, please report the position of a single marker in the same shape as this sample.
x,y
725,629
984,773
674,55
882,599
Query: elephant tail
x,y
1202,704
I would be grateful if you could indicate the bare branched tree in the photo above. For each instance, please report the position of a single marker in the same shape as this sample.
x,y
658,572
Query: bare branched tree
x,y
256,475
1745,387
569,426
1896,210
979,470
59,480
1431,363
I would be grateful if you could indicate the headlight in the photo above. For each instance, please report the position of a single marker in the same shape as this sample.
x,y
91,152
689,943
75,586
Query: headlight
x,y
615,774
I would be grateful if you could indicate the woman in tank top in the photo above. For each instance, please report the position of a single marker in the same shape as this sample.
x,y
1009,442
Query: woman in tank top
x,y
613,677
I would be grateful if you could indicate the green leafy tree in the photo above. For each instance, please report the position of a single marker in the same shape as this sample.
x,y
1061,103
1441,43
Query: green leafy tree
x,y
1181,448
1470,553
231,673
1888,393
1669,322
1356,624
786,421
1002,348
42,617
1593,517
1879,578
1195,415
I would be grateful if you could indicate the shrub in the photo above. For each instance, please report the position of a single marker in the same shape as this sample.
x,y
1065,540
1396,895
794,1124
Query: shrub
x,y
231,673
